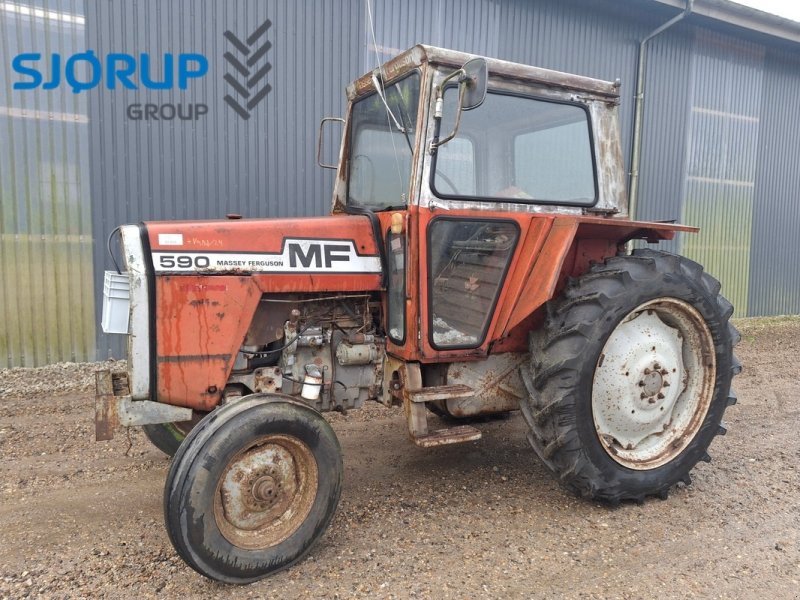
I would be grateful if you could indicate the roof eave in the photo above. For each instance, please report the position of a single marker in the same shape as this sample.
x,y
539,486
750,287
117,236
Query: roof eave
x,y
742,16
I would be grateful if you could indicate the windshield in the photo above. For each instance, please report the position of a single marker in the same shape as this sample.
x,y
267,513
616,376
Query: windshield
x,y
380,152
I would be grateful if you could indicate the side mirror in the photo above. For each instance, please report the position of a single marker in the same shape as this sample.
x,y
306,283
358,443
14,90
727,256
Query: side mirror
x,y
319,140
472,80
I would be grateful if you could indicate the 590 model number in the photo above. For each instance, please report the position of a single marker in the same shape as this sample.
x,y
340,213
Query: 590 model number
x,y
170,261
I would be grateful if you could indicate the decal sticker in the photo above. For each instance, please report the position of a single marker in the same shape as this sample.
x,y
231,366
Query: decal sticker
x,y
297,256
170,239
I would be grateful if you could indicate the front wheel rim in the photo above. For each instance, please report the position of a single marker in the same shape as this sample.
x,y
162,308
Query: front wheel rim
x,y
653,383
266,492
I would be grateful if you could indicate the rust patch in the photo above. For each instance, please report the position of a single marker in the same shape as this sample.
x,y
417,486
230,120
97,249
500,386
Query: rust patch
x,y
267,379
106,418
454,435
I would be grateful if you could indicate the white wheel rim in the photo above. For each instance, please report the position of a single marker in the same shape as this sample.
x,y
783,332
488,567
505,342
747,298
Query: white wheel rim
x,y
653,383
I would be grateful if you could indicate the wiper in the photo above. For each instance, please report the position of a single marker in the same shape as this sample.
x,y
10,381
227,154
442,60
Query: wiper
x,y
378,88
404,118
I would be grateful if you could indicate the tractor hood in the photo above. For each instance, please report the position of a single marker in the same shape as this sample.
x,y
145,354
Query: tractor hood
x,y
195,286
335,253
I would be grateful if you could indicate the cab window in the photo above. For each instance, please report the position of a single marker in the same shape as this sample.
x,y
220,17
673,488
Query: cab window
x,y
517,148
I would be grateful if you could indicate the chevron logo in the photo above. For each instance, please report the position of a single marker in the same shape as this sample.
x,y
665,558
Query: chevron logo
x,y
248,88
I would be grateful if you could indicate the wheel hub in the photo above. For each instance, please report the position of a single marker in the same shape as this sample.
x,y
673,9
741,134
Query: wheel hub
x,y
652,385
266,492
264,489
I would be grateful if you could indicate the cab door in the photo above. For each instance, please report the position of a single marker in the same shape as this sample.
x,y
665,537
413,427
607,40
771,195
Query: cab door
x,y
467,256
381,150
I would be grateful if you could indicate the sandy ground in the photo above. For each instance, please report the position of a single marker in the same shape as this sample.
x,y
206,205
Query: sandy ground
x,y
80,518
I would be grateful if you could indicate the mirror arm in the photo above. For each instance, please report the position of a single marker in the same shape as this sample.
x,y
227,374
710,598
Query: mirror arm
x,y
459,110
439,109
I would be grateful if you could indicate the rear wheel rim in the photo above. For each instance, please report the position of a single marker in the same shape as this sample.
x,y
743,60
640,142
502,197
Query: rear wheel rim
x,y
653,383
266,492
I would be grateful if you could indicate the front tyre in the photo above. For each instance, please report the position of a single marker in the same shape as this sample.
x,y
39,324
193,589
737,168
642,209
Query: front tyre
x,y
252,488
630,376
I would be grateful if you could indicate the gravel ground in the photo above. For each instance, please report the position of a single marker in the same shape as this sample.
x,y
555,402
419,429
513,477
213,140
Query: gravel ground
x,y
53,380
80,519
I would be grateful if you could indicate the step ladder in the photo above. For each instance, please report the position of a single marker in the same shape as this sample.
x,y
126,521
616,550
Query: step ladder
x,y
414,398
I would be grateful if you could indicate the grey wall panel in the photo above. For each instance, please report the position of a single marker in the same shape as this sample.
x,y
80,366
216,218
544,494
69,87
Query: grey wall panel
x,y
775,252
666,101
724,121
46,288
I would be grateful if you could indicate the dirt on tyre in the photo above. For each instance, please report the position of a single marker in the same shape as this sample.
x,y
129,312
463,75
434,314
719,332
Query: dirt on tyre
x,y
252,488
630,376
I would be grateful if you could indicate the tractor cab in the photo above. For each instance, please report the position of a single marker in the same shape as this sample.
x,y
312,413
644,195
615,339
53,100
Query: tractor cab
x,y
465,162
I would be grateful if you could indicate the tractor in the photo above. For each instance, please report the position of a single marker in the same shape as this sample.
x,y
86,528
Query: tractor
x,y
479,258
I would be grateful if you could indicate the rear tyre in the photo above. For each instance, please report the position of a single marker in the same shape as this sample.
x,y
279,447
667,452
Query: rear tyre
x,y
252,488
630,376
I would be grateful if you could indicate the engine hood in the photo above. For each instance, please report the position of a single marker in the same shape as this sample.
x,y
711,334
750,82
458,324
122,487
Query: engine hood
x,y
334,246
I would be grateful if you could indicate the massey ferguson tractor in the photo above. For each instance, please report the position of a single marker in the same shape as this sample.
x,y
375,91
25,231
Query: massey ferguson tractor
x,y
476,261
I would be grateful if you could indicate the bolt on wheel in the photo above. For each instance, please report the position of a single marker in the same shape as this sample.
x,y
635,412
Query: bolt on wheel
x,y
630,376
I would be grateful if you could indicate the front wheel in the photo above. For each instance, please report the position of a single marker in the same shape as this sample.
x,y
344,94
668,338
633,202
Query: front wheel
x,y
630,376
252,488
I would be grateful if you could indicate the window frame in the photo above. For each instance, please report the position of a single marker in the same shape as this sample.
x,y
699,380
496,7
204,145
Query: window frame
x,y
504,92
500,286
351,138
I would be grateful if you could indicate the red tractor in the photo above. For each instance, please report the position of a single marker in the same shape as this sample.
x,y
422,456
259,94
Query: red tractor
x,y
475,262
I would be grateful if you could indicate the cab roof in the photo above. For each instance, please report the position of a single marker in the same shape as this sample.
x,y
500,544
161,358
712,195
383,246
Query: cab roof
x,y
420,54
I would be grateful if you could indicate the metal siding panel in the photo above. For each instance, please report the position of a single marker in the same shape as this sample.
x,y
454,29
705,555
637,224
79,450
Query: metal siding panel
x,y
262,167
667,89
775,255
46,303
724,117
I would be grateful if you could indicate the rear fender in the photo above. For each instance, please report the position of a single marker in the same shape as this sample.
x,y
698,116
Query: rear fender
x,y
568,250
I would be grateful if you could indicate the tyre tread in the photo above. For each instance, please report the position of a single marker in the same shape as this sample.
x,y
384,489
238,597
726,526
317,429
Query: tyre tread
x,y
557,361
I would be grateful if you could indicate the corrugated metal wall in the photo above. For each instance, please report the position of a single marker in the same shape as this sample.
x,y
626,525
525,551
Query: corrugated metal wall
x,y
718,151
219,164
46,286
774,251
724,116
